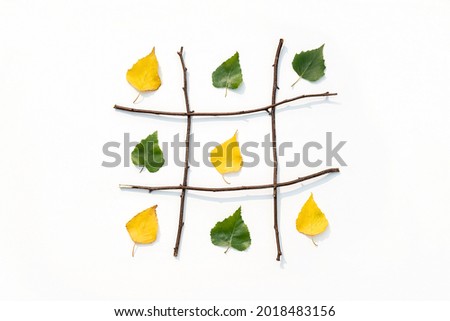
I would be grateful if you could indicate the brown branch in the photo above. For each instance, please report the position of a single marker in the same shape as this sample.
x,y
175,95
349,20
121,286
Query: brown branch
x,y
230,189
274,149
231,113
186,156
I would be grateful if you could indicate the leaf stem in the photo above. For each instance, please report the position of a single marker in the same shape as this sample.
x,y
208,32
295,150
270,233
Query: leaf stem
x,y
232,188
274,149
223,177
139,95
232,113
296,82
133,251
186,156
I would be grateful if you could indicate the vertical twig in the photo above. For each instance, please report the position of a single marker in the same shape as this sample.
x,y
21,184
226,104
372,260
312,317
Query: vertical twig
x,y
186,157
274,149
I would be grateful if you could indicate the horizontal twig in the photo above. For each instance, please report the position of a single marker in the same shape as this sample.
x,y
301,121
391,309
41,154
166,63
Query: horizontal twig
x,y
230,189
231,113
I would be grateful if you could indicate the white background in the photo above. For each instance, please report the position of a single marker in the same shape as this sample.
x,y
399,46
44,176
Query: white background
x,y
62,230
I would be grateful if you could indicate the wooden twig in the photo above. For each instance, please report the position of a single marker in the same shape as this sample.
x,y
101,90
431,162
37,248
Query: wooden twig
x,y
274,149
231,113
186,156
229,189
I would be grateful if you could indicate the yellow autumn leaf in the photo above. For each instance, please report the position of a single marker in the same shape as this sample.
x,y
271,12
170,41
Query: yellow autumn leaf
x,y
143,228
144,74
227,158
311,220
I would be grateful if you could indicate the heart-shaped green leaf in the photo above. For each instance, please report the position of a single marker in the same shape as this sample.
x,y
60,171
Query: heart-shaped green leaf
x,y
148,154
228,74
309,65
231,232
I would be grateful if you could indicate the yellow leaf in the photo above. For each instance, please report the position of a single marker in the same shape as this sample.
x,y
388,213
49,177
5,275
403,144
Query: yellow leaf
x,y
311,221
143,228
144,74
227,157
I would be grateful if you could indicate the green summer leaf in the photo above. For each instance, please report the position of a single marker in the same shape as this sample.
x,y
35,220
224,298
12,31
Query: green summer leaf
x,y
148,154
228,74
309,65
231,232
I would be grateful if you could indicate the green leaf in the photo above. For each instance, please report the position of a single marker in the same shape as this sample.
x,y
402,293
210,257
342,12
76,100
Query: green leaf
x,y
309,65
148,154
228,74
231,232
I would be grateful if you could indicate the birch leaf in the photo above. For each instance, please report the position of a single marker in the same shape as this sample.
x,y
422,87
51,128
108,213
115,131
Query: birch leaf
x,y
231,232
309,65
228,74
227,158
311,220
148,154
144,76
143,228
